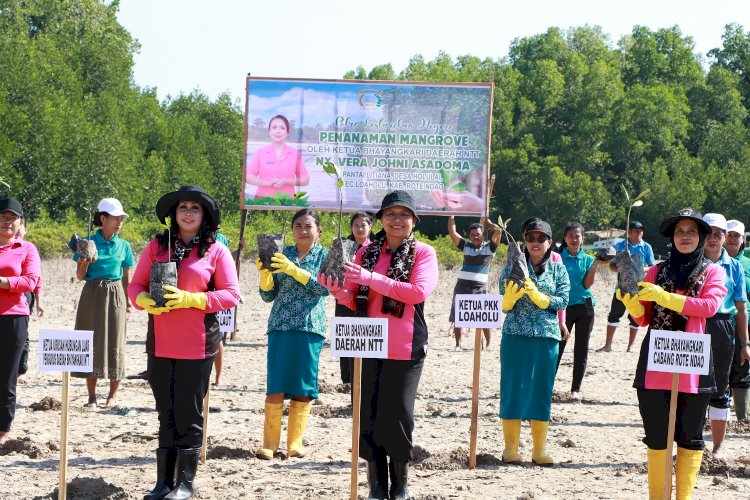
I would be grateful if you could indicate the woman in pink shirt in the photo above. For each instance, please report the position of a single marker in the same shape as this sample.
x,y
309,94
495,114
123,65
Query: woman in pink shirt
x,y
390,278
677,295
20,271
277,168
183,336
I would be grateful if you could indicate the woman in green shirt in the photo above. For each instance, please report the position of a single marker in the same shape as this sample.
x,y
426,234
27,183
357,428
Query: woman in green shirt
x,y
296,331
104,306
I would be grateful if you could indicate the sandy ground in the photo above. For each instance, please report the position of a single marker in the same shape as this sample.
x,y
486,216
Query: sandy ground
x,y
596,441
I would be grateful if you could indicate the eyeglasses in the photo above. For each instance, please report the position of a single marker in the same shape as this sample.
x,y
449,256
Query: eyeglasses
x,y
403,216
539,239
8,218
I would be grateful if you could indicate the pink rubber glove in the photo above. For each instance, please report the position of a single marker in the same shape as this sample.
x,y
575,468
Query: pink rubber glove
x,y
329,282
357,274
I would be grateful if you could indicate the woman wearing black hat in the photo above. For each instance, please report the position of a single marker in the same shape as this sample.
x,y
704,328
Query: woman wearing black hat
x,y
390,278
530,343
20,271
677,295
183,336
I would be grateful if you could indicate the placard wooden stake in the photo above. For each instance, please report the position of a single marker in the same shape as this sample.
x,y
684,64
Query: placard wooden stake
x,y
670,437
475,399
205,424
62,488
356,396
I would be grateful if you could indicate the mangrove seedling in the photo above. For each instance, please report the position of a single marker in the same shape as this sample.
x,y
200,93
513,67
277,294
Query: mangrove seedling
x,y
269,244
342,250
629,266
519,271
163,273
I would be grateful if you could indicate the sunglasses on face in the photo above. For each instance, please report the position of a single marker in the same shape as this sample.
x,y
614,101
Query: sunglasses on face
x,y
538,239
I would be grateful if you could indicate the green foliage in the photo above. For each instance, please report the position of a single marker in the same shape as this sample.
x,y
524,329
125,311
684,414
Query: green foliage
x,y
280,200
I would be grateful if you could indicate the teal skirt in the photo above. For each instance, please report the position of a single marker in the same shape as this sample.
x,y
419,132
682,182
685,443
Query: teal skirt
x,y
292,363
527,376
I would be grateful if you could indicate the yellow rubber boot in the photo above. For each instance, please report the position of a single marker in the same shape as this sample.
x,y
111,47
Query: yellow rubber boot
x,y
511,435
657,461
688,465
271,431
539,437
298,413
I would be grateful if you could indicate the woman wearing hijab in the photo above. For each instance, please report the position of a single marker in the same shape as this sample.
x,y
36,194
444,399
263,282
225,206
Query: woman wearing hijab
x,y
20,271
183,336
390,278
678,294
530,343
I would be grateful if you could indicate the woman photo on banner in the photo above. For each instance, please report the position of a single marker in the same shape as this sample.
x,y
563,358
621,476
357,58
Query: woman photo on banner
x,y
390,278
277,167
530,342
296,331
361,225
104,306
183,335
20,271
678,294
579,314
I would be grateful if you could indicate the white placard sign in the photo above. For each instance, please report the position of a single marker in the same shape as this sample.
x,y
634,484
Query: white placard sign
x,y
478,311
226,320
679,352
359,337
66,351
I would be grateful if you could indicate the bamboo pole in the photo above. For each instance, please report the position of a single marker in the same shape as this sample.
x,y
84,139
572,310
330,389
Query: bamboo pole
x,y
356,397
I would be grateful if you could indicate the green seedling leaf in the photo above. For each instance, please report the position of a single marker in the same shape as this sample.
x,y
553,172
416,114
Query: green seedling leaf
x,y
460,187
643,193
340,183
627,196
637,203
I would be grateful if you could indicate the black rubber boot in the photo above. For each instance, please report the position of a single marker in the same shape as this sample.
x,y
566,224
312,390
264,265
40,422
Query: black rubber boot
x,y
166,458
187,464
399,476
377,479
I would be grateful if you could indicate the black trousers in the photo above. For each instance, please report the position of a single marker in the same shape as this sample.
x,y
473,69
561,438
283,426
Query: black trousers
x,y
389,388
582,318
691,416
179,386
739,374
721,329
347,367
13,334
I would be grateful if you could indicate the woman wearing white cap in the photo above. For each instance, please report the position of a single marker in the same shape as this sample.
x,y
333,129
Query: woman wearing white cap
x,y
739,375
721,326
104,306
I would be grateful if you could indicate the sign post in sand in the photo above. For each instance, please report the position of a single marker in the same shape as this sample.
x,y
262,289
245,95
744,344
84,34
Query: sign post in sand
x,y
65,351
675,353
477,311
358,338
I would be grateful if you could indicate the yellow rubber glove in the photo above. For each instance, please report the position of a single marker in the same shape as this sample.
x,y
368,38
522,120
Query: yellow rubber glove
x,y
266,277
512,294
632,304
655,293
145,301
540,299
286,266
180,299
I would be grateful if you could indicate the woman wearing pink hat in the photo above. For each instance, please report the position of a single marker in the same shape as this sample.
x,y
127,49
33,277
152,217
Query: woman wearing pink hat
x,y
104,306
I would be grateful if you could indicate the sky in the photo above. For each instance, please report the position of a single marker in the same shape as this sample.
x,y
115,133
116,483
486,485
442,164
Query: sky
x,y
212,45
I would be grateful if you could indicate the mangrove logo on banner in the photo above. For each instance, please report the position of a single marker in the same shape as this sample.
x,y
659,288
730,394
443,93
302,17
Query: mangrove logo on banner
x,y
370,99
429,139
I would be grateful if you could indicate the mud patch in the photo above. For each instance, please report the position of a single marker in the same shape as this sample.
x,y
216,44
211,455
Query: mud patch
x,y
24,446
86,488
329,412
739,427
47,403
230,449
326,388
488,460
454,460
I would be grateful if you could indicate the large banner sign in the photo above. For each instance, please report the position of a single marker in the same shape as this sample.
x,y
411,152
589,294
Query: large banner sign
x,y
429,139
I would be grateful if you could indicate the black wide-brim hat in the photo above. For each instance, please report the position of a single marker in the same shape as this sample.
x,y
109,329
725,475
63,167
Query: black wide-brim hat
x,y
398,198
189,193
666,228
11,205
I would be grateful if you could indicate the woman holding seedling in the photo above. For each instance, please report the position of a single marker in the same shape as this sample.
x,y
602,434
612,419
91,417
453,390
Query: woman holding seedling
x,y
103,306
531,338
277,168
678,294
183,335
296,331
390,278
